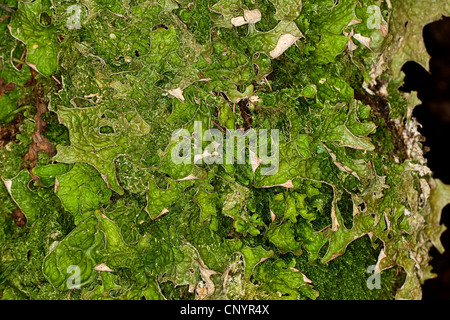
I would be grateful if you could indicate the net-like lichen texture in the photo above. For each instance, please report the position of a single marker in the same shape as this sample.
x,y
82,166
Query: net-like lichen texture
x,y
214,149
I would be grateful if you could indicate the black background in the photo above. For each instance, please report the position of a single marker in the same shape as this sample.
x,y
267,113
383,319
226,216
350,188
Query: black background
x,y
434,114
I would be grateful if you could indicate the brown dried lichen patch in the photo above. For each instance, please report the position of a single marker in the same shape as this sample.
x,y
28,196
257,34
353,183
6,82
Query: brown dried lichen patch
x,y
381,109
9,132
4,87
19,218
40,142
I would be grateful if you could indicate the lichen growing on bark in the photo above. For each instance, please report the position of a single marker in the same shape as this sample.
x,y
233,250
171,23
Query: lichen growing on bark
x,y
108,214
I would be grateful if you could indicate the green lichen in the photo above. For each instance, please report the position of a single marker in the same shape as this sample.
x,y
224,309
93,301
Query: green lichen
x,y
351,202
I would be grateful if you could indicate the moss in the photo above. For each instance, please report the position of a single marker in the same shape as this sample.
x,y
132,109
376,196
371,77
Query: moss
x,y
346,277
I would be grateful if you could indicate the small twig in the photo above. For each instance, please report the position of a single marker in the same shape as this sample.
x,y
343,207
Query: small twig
x,y
59,82
4,18
18,61
2,6
267,81
23,55
218,126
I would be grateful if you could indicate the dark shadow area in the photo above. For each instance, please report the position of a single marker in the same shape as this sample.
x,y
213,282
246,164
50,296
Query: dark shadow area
x,y
434,114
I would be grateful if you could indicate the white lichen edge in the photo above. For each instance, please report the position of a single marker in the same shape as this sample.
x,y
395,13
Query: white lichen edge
x,y
284,42
103,267
177,93
250,16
